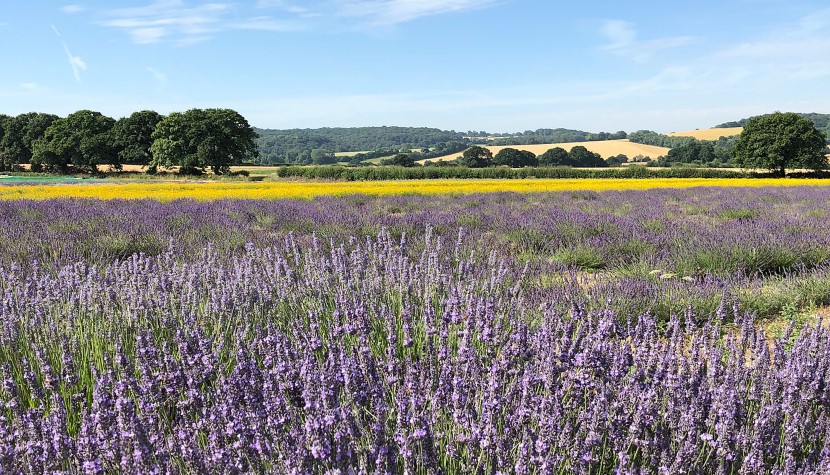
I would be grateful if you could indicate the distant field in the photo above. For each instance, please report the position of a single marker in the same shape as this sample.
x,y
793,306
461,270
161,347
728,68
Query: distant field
x,y
606,148
347,154
708,134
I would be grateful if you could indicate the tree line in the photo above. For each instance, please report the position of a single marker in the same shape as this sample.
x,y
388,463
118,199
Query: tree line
x,y
193,141
560,135
688,150
441,172
579,156
297,146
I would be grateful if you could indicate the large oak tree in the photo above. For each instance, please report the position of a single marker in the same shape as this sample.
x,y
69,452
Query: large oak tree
x,y
779,141
133,136
82,140
19,135
201,138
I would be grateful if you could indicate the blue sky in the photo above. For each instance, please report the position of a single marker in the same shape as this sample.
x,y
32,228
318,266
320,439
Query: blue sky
x,y
495,65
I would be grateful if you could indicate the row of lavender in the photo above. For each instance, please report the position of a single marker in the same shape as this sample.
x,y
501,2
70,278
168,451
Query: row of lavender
x,y
660,250
715,230
366,358
432,353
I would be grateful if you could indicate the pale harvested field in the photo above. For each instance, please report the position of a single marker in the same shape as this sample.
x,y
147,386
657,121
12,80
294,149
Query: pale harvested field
x,y
605,148
708,134
347,154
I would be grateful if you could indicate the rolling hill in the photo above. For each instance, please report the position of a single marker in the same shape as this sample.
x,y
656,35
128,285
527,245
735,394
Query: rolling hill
x,y
605,148
709,134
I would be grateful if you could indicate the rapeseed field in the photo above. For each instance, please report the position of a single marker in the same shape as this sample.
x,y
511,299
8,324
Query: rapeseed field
x,y
307,190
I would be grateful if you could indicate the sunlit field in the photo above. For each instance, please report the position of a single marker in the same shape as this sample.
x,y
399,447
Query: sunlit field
x,y
605,148
305,190
708,134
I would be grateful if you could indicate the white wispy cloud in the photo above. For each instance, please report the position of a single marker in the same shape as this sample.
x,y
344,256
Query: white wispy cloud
x,y
29,86
158,75
188,22
75,62
176,21
392,12
293,8
265,23
73,9
169,19
623,40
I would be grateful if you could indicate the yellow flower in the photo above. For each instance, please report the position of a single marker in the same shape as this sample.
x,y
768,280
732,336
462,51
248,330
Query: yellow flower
x,y
306,190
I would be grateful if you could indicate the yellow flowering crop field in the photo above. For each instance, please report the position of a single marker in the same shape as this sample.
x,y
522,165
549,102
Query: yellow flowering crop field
x,y
305,190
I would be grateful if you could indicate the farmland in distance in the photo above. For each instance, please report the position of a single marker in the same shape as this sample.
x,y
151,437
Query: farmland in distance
x,y
605,148
708,134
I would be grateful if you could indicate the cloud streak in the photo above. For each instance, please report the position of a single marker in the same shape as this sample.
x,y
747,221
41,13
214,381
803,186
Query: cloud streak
x,y
158,75
69,9
75,62
622,41
180,22
175,21
393,12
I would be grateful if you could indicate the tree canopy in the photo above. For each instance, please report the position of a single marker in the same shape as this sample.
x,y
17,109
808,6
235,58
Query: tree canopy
x,y
821,121
82,140
133,136
5,161
476,157
514,158
295,145
555,157
322,156
19,135
695,151
779,141
401,160
201,138
582,157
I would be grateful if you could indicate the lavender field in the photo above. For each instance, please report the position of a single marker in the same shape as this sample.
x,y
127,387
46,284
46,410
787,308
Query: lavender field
x,y
583,332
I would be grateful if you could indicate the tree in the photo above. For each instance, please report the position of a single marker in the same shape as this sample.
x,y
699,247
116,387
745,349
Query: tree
x,y
201,138
401,160
6,162
133,136
321,156
778,141
21,133
694,151
514,158
82,140
555,157
476,157
616,160
582,157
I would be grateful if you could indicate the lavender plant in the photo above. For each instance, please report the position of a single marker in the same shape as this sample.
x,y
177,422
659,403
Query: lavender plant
x,y
458,348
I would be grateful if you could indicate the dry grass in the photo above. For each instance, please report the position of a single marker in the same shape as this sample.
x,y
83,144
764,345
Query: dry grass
x,y
708,134
605,148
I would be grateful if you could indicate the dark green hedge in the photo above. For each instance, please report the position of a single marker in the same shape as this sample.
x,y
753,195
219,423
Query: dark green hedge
x,y
420,173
